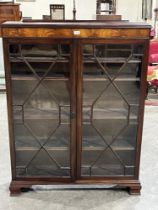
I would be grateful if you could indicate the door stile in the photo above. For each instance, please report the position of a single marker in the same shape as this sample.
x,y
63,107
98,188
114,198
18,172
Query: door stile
x,y
143,92
72,85
79,107
9,106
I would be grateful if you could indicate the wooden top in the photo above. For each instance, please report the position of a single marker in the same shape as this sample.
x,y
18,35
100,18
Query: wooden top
x,y
75,24
9,4
76,29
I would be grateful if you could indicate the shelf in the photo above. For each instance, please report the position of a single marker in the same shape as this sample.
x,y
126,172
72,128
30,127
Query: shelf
x,y
47,148
120,157
33,115
86,78
64,60
39,114
39,59
98,114
34,157
109,166
108,170
43,170
26,78
102,148
96,77
102,114
120,138
131,121
111,60
121,146
114,50
89,144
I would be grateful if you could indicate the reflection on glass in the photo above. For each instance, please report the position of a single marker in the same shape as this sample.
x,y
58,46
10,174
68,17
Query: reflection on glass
x,y
111,92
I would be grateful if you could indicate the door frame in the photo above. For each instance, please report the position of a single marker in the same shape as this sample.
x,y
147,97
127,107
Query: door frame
x,y
72,80
143,86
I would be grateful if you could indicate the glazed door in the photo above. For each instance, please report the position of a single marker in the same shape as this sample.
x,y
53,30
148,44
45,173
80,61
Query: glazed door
x,y
75,107
111,75
42,108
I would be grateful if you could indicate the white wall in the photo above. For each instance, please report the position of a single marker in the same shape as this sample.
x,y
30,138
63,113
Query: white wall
x,y
130,9
86,9
156,4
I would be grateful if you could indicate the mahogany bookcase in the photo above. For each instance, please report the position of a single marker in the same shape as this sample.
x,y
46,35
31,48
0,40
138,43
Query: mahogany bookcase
x,y
75,93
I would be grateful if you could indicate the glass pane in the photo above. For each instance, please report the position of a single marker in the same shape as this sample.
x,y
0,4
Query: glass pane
x,y
111,92
41,108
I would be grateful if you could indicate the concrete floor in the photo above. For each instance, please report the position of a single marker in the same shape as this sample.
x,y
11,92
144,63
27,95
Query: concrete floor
x,y
86,199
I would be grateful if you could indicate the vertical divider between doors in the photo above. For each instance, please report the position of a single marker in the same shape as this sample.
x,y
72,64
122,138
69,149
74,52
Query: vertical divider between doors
x,y
73,114
79,106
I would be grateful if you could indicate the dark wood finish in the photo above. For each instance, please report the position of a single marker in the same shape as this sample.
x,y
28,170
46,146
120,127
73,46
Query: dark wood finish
x,y
9,105
9,12
79,109
68,29
142,105
96,34
109,17
70,33
135,190
46,17
73,112
85,24
133,187
69,21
